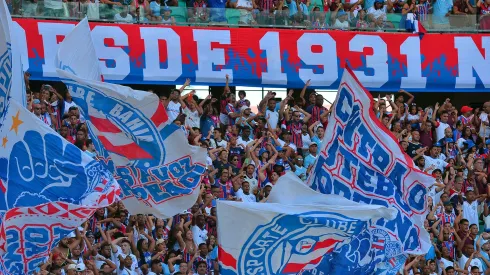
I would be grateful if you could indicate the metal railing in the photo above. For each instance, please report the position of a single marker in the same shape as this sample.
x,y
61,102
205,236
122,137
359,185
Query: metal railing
x,y
130,11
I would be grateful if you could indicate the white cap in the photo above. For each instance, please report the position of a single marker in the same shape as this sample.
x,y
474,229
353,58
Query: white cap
x,y
80,267
72,267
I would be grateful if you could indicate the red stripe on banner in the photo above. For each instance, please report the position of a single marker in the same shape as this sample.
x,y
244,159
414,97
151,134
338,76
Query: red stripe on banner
x,y
2,186
328,243
160,116
226,259
104,125
297,267
130,151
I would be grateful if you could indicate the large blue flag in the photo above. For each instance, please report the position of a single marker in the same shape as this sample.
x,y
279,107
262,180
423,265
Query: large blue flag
x,y
159,172
49,187
361,161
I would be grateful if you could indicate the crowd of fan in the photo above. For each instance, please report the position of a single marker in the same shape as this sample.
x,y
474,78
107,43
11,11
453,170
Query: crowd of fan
x,y
316,14
248,152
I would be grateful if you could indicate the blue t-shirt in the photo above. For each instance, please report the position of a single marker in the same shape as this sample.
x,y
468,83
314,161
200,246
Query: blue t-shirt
x,y
206,123
217,10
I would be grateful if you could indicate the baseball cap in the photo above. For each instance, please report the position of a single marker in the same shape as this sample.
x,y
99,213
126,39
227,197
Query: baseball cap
x,y
244,107
80,267
470,143
72,267
466,109
262,150
449,140
437,144
487,141
160,241
268,184
313,143
280,148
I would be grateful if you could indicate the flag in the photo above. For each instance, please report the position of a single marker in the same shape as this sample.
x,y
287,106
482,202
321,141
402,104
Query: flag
x,y
5,56
11,72
274,238
49,188
158,170
361,161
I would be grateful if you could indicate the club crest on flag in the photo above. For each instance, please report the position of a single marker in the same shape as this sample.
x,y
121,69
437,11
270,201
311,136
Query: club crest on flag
x,y
300,240
124,130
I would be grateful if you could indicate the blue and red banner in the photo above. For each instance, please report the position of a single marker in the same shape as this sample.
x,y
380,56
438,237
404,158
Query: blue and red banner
x,y
132,54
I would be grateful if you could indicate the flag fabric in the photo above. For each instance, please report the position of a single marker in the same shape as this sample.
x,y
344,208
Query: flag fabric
x,y
11,75
49,188
273,238
361,161
158,170
5,56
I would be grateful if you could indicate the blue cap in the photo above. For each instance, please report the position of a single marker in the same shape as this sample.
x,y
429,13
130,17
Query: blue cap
x,y
437,144
449,140
280,148
280,162
36,101
379,1
262,150
340,13
166,8
470,143
487,142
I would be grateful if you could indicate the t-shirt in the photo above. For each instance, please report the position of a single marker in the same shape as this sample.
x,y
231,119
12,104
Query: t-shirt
x,y
309,160
199,235
441,126
192,119
484,130
245,198
217,12
173,109
474,262
273,118
438,164
470,212
412,147
127,19
377,13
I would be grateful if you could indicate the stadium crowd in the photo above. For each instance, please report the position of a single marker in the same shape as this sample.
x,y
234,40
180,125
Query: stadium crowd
x,y
248,152
315,14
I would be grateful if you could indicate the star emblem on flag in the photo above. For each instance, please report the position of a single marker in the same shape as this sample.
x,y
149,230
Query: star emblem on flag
x,y
16,122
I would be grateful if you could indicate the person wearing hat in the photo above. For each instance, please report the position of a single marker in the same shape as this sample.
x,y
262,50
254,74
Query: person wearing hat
x,y
450,150
312,156
71,269
466,115
341,22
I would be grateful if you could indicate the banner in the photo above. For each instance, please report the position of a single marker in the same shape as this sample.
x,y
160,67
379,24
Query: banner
x,y
5,56
49,187
11,75
159,172
361,161
137,54
273,238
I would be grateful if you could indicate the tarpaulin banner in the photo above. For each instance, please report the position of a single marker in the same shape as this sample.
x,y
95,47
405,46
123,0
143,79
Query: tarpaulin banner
x,y
159,172
361,161
134,54
48,188
290,237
